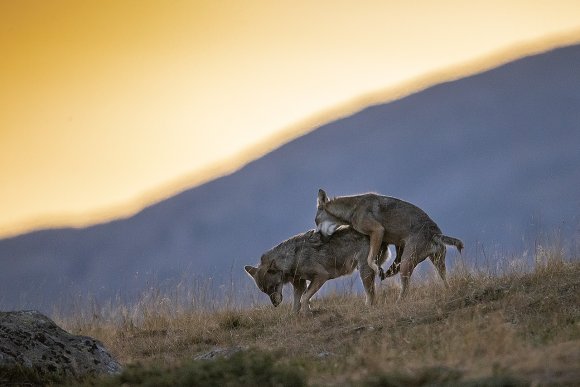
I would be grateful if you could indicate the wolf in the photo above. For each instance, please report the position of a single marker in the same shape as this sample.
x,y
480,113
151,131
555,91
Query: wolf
x,y
312,257
387,220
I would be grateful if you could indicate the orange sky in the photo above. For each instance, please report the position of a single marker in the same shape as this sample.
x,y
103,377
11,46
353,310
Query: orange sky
x,y
107,105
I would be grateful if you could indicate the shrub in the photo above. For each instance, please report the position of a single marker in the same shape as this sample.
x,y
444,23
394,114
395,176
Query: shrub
x,y
16,375
440,376
241,369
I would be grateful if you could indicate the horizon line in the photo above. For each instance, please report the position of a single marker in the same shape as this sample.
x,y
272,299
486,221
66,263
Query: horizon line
x,y
232,164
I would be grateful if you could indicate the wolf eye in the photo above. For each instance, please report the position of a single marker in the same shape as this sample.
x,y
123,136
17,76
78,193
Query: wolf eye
x,y
272,271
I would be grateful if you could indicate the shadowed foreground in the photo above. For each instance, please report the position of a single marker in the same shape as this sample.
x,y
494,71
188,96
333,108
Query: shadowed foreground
x,y
518,328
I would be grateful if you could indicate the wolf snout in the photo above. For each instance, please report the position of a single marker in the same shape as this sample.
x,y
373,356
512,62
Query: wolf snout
x,y
326,228
276,299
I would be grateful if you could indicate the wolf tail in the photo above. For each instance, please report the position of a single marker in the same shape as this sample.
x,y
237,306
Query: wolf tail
x,y
450,241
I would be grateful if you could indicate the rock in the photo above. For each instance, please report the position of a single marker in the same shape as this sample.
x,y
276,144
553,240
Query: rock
x,y
218,353
363,328
30,339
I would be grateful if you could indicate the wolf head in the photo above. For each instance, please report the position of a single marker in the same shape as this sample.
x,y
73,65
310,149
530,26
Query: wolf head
x,y
268,278
326,224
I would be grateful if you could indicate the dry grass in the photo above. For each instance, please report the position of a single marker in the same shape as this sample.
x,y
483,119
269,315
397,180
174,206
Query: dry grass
x,y
519,327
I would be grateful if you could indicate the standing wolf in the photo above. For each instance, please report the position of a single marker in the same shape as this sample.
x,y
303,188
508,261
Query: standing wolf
x,y
388,220
307,257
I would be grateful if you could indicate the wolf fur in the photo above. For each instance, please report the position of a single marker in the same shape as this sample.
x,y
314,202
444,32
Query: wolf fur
x,y
312,257
388,220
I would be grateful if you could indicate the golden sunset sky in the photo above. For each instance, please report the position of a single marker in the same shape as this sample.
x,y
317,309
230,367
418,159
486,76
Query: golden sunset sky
x,y
110,105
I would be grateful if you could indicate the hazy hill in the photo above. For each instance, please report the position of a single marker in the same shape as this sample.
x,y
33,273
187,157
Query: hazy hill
x,y
493,158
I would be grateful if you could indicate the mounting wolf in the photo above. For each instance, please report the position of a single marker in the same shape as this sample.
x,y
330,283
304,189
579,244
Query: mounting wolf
x,y
388,220
307,257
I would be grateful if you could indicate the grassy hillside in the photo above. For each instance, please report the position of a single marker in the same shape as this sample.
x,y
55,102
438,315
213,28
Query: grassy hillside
x,y
517,328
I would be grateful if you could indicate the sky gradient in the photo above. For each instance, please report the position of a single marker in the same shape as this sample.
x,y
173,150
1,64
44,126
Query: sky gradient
x,y
106,106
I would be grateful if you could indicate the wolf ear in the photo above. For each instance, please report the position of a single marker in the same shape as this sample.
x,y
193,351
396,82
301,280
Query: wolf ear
x,y
251,270
322,198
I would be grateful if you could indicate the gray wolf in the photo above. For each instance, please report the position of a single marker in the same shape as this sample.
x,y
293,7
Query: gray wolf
x,y
388,220
312,257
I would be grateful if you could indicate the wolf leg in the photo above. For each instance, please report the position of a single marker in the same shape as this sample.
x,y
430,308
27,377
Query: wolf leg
x,y
415,253
313,287
406,271
396,265
406,268
438,259
367,276
375,231
299,287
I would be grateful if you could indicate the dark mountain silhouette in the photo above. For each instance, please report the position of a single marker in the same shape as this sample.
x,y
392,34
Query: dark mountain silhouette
x,y
493,158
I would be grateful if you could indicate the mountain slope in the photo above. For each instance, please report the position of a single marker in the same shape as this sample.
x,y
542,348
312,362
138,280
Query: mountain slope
x,y
493,158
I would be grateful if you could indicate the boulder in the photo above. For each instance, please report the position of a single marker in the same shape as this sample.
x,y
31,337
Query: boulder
x,y
32,340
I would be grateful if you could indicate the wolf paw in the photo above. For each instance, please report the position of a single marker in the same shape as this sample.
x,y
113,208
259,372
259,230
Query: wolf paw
x,y
381,273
